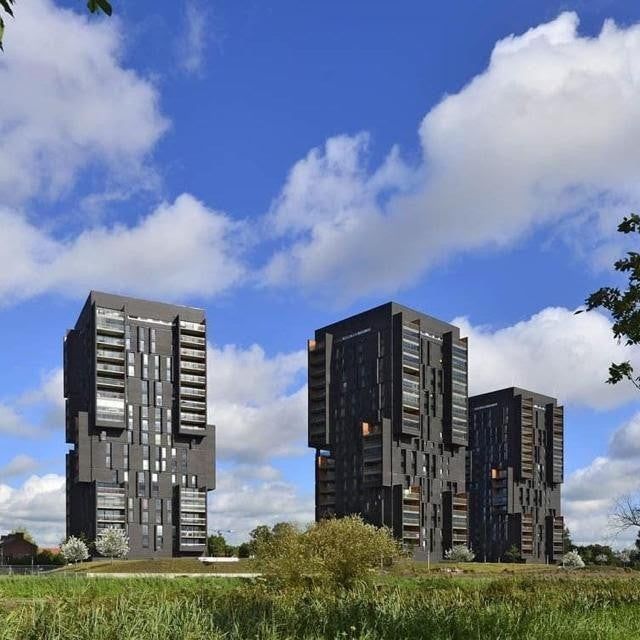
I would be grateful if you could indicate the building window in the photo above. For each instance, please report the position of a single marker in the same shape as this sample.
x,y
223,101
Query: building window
x,y
141,336
108,455
153,340
145,535
155,486
168,370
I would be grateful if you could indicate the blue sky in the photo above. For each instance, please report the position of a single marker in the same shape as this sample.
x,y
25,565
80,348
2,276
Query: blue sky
x,y
274,156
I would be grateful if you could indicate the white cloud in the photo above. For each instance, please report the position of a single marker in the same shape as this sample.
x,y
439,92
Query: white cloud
x,y
243,500
192,44
13,424
589,493
258,403
180,249
549,131
554,352
49,396
38,505
19,465
67,103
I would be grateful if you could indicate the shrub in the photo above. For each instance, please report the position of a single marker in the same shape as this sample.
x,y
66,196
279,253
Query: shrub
x,y
459,553
333,553
602,558
112,543
244,550
74,550
572,559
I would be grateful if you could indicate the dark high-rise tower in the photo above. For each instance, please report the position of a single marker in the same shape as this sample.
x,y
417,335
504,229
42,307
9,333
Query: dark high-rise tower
x,y
136,415
388,420
515,471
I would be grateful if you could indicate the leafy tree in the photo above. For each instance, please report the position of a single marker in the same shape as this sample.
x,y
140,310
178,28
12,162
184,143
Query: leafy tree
x,y
602,558
459,553
624,556
567,543
47,557
512,554
93,6
333,553
573,560
112,543
74,550
260,535
244,550
624,306
216,546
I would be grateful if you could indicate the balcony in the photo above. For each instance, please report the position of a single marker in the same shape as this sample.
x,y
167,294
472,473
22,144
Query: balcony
x,y
192,392
193,404
109,369
110,356
187,377
187,416
194,354
188,365
110,340
110,326
110,383
187,339
192,327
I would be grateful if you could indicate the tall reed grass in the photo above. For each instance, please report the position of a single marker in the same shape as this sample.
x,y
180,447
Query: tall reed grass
x,y
434,608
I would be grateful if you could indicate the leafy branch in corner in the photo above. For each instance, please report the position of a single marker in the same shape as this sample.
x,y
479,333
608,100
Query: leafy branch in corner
x,y
624,306
93,5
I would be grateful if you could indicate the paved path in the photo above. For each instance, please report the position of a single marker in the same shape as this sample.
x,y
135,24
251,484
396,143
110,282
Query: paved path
x,y
171,575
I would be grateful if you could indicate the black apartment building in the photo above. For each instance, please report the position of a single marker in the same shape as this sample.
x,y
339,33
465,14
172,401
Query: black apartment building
x,y
515,469
142,455
388,421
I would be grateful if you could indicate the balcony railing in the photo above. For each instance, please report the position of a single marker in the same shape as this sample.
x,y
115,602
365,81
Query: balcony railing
x,y
187,377
192,417
192,366
192,326
110,340
192,392
110,368
188,339
199,354
118,356
193,404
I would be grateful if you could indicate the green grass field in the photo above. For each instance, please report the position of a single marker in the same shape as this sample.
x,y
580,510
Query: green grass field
x,y
547,603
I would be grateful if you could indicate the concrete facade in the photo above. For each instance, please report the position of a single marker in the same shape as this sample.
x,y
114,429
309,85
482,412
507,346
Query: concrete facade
x,y
515,470
388,421
143,453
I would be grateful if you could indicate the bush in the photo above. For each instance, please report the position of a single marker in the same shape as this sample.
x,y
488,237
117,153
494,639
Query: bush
x,y
333,553
244,550
572,559
74,550
112,543
459,553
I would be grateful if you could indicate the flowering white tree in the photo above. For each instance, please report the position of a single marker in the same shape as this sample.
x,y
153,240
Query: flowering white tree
x,y
112,543
74,550
572,559
459,553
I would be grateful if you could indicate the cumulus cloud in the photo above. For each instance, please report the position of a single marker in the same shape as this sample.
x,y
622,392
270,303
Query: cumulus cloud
x,y
590,493
18,466
37,505
180,249
258,403
68,102
555,352
243,500
548,132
